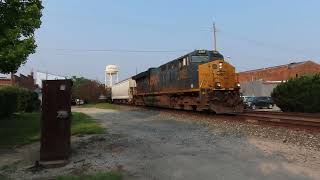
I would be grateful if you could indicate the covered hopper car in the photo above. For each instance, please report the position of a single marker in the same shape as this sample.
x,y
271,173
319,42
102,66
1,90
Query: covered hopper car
x,y
201,80
122,92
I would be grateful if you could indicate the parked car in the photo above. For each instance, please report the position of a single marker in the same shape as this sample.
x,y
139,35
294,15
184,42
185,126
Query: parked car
x,y
77,101
247,100
261,102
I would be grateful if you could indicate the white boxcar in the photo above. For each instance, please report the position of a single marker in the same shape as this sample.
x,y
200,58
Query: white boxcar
x,y
122,92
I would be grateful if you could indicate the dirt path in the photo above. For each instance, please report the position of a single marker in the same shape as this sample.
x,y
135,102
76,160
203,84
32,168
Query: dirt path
x,y
147,144
160,146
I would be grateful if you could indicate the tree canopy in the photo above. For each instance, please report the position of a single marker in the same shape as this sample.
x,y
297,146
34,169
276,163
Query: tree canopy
x,y
18,21
86,89
300,94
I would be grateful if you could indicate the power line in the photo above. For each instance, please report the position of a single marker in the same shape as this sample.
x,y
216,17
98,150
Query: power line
x,y
207,29
266,45
118,50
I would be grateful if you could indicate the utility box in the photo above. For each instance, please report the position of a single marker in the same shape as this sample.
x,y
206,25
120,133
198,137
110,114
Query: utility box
x,y
56,120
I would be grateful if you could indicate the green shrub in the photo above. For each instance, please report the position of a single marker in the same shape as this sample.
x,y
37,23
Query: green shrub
x,y
301,94
16,99
8,102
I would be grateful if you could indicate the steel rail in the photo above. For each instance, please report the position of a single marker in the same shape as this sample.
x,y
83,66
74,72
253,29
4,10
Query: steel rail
x,y
306,120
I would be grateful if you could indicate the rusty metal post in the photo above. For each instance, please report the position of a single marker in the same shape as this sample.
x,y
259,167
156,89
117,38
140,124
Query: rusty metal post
x,y
56,120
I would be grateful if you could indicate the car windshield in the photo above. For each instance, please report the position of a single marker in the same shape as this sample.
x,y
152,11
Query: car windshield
x,y
247,98
262,98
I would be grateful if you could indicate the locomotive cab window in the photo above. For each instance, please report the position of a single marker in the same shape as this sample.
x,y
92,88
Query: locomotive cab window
x,y
200,59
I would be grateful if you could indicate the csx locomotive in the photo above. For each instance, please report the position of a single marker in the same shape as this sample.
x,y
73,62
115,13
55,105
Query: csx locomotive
x,y
201,80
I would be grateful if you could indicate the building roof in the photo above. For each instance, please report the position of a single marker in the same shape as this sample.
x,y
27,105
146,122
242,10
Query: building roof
x,y
293,64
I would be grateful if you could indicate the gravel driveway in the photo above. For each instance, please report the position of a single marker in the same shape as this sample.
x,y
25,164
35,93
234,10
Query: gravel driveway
x,y
155,145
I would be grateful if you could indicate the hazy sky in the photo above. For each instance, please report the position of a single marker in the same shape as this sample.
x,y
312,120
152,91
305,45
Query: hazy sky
x,y
75,34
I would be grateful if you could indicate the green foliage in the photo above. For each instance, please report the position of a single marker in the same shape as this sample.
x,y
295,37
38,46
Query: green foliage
x,y
86,89
3,177
24,128
19,129
299,95
8,101
99,176
84,124
78,81
16,99
18,21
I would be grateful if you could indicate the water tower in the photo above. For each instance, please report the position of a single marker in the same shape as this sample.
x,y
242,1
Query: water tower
x,y
111,72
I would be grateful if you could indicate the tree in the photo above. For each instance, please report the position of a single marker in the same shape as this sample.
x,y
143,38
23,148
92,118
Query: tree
x,y
86,89
18,21
300,94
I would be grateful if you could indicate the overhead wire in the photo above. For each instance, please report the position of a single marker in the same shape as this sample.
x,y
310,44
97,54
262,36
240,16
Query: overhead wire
x,y
276,47
118,50
231,35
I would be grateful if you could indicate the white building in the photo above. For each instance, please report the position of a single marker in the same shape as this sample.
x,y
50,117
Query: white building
x,y
40,76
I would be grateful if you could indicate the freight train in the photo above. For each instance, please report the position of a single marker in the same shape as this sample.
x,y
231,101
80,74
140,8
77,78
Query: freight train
x,y
200,80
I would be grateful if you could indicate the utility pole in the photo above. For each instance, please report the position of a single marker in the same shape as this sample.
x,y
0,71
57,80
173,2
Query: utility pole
x,y
214,37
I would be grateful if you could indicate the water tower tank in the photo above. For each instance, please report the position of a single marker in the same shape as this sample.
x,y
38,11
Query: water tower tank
x,y
111,69
110,72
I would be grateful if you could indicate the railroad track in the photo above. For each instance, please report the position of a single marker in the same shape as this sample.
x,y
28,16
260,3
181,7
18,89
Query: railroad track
x,y
288,119
297,120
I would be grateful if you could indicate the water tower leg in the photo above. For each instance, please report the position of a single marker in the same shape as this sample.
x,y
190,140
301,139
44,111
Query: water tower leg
x,y
111,80
105,80
117,78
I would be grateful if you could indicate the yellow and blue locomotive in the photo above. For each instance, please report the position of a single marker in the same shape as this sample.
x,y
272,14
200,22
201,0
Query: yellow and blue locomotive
x,y
201,80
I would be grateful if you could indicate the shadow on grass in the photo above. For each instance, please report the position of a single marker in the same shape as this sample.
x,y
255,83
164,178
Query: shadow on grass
x,y
24,128
19,129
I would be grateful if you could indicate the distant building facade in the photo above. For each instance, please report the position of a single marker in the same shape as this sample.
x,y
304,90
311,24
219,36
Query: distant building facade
x,y
40,76
280,73
261,82
4,81
258,87
27,82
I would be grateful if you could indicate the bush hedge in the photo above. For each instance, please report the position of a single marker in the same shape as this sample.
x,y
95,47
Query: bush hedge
x,y
300,94
15,99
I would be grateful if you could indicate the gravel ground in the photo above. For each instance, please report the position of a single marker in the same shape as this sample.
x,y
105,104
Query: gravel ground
x,y
151,144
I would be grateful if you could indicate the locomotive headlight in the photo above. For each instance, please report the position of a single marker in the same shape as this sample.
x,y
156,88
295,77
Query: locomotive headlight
x,y
218,85
220,65
238,85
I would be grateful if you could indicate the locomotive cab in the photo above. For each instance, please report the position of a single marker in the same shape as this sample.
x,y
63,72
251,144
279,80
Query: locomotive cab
x,y
219,87
204,56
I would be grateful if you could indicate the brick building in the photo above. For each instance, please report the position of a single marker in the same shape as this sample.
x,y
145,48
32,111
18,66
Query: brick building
x,y
4,81
280,73
27,82
261,82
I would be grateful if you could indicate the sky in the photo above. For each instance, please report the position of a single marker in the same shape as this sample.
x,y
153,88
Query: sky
x,y
81,37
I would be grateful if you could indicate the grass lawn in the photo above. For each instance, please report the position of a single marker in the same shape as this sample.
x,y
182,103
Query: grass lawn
x,y
84,124
98,176
100,106
24,128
